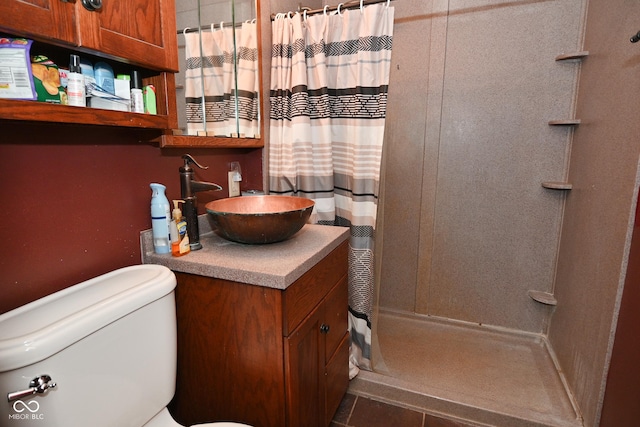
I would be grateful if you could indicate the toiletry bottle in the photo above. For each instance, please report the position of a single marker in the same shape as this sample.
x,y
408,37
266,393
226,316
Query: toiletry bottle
x,y
75,84
149,97
179,237
160,219
137,100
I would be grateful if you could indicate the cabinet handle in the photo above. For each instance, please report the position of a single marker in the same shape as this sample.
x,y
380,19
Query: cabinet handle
x,y
324,328
92,5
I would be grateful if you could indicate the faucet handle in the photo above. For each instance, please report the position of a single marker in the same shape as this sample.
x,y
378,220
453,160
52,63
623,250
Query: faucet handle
x,y
188,159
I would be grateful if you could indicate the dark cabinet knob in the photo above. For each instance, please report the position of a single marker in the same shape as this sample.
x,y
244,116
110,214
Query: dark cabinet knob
x,y
92,5
324,328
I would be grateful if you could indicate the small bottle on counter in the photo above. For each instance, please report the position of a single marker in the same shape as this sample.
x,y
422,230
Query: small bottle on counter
x,y
76,93
179,237
160,219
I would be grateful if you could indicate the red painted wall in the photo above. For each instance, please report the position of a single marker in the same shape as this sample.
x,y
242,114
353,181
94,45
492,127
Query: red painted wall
x,y
73,201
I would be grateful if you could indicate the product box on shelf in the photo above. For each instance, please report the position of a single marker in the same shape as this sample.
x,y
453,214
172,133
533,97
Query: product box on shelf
x,y
46,79
16,81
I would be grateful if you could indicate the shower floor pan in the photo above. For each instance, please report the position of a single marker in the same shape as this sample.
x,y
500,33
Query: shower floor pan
x,y
477,375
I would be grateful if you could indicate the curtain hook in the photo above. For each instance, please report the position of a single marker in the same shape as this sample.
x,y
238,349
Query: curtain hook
x,y
213,27
222,25
338,10
304,15
388,1
361,6
185,31
289,15
325,10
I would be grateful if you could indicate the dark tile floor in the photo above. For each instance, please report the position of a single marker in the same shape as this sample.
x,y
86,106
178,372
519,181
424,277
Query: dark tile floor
x,y
358,411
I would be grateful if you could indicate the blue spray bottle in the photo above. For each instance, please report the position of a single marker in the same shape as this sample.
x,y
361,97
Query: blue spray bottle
x,y
160,219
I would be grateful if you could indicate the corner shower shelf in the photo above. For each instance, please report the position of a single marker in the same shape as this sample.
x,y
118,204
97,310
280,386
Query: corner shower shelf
x,y
557,185
545,298
569,122
572,56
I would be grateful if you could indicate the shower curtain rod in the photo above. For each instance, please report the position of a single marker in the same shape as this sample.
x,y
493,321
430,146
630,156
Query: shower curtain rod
x,y
208,27
346,5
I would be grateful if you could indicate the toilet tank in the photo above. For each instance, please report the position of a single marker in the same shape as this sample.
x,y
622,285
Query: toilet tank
x,y
108,343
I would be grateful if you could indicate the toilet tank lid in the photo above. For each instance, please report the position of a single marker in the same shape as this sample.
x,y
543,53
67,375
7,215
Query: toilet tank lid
x,y
37,330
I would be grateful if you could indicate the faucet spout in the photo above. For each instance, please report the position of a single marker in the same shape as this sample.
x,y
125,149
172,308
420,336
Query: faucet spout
x,y
198,186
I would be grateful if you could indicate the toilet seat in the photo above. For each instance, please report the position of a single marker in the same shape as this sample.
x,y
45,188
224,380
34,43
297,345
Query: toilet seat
x,y
164,419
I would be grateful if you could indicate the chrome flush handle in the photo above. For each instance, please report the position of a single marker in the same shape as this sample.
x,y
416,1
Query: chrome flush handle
x,y
37,385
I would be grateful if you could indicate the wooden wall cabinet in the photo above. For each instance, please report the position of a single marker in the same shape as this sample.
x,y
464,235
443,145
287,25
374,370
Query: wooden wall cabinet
x,y
138,34
51,19
263,356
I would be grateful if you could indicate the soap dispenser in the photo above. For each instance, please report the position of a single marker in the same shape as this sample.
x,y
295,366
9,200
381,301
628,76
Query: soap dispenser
x,y
179,237
160,219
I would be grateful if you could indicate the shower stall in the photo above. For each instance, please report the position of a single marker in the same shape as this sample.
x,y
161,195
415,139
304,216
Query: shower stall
x,y
509,181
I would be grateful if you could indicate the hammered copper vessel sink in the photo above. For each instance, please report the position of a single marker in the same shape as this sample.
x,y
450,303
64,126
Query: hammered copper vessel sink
x,y
259,219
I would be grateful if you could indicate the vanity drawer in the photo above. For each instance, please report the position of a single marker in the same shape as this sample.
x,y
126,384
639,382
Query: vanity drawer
x,y
307,292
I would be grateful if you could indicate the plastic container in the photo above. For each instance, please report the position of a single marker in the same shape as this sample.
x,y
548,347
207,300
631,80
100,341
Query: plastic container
x,y
149,98
160,219
103,74
179,237
75,84
137,100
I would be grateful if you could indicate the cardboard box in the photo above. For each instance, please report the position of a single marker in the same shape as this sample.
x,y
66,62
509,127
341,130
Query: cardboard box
x,y
46,79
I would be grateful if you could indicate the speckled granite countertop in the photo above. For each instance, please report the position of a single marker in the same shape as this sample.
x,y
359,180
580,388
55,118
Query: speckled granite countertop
x,y
276,265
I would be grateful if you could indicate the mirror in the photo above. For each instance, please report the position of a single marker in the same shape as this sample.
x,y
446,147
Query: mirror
x,y
217,89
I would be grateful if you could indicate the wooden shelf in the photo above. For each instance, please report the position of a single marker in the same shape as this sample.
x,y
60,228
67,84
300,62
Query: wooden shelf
x,y
568,122
33,111
209,141
572,56
557,185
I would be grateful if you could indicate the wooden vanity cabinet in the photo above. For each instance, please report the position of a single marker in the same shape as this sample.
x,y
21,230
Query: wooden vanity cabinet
x,y
263,356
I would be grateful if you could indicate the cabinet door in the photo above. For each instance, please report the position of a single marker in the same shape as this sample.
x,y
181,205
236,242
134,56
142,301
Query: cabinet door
x,y
336,377
304,361
335,316
143,31
52,19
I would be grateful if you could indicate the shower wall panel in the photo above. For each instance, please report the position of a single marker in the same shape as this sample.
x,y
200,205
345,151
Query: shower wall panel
x,y
405,143
599,214
487,232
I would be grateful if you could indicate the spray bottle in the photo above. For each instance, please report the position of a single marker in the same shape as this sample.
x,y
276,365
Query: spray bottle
x,y
179,237
160,219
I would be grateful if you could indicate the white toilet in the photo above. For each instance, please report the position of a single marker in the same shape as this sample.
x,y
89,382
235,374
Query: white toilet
x,y
100,353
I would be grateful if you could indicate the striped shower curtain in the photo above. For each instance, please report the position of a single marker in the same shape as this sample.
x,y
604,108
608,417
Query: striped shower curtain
x,y
329,80
227,71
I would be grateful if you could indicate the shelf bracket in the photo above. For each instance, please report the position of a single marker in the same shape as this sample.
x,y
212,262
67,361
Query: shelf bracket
x,y
557,185
569,122
545,298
